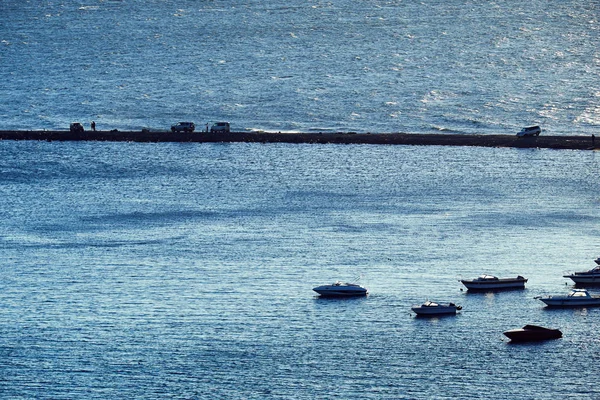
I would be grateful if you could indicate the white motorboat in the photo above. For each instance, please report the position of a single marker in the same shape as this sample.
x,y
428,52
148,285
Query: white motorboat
x,y
432,308
532,333
591,277
341,289
491,282
575,298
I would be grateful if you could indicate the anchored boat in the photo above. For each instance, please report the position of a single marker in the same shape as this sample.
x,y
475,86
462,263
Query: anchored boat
x,y
491,282
575,298
530,333
433,308
591,277
341,289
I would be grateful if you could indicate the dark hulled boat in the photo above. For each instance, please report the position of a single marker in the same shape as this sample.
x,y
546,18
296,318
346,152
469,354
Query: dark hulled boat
x,y
532,333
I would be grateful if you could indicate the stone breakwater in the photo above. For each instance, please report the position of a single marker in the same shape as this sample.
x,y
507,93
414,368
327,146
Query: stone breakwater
x,y
550,142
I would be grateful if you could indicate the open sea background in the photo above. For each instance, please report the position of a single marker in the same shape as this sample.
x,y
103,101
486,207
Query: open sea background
x,y
185,270
180,270
466,66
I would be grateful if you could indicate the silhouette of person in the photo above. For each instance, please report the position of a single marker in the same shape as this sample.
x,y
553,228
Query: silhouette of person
x,y
93,125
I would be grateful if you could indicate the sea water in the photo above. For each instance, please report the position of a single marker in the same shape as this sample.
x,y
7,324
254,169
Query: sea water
x,y
302,65
186,270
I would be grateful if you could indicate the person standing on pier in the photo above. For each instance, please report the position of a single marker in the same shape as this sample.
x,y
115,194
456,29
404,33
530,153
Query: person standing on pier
x,y
93,126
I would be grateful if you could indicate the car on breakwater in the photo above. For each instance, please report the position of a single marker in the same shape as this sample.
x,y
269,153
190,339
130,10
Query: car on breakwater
x,y
530,131
222,127
183,127
76,127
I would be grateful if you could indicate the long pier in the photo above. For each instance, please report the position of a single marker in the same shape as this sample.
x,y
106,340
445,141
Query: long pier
x,y
550,142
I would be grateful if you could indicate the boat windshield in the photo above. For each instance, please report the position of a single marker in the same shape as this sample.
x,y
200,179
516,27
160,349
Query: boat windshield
x,y
430,304
487,278
579,293
533,327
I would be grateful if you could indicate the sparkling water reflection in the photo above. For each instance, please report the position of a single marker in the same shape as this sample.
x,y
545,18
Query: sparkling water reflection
x,y
185,270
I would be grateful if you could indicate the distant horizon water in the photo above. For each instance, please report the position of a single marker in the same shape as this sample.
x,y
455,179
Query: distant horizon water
x,y
375,66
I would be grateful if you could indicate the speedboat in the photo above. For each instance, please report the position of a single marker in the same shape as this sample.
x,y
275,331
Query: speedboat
x,y
530,333
341,289
591,277
575,298
491,282
432,308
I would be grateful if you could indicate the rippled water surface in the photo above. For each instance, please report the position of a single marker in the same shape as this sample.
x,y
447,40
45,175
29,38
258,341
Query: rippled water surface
x,y
367,66
185,270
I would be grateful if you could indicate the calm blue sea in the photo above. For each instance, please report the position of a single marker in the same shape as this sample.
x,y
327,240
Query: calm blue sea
x,y
154,271
185,270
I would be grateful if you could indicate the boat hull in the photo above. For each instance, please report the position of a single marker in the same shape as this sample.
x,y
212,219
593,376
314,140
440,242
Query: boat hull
x,y
341,291
590,277
582,279
532,334
430,308
431,311
495,285
565,302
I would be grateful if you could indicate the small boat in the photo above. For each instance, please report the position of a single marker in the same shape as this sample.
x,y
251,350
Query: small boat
x,y
341,289
432,308
531,333
575,298
491,282
591,277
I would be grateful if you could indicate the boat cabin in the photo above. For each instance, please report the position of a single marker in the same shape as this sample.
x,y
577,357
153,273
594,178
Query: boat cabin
x,y
595,270
578,293
487,278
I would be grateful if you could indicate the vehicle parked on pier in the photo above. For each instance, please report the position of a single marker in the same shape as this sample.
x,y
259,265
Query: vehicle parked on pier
x,y
76,127
530,131
183,127
222,127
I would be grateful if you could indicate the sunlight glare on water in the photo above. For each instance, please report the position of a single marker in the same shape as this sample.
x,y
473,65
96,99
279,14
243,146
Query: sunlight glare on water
x,y
185,270
374,66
